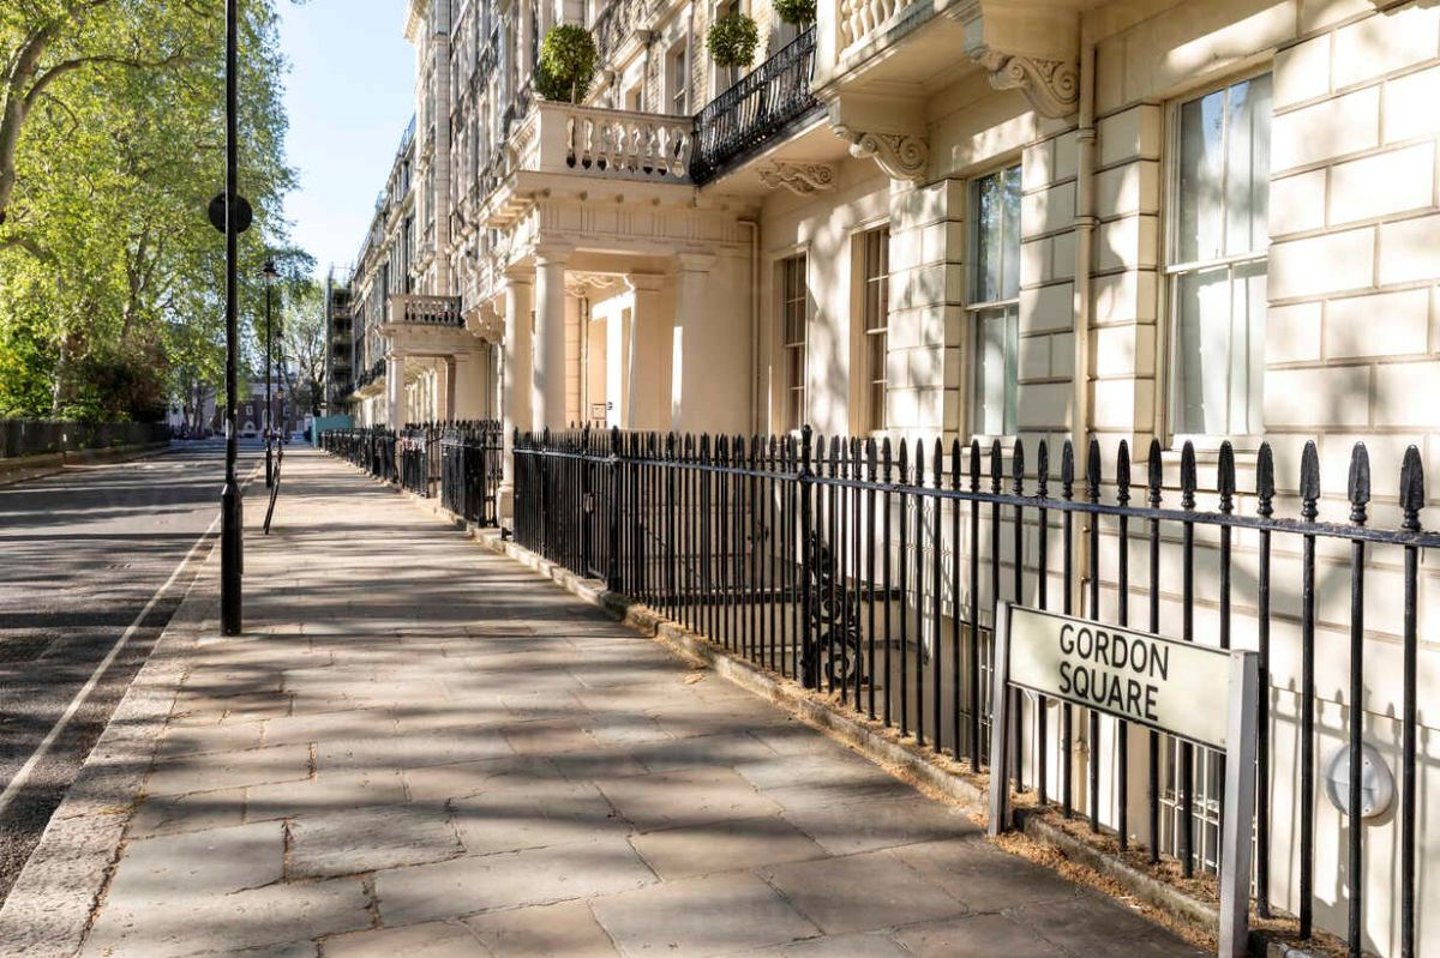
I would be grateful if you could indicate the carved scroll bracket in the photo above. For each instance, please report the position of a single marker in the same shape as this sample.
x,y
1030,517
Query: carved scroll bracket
x,y
1051,86
485,323
903,156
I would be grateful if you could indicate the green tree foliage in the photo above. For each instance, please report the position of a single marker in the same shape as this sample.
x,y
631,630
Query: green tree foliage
x,y
567,63
111,145
303,341
732,40
796,11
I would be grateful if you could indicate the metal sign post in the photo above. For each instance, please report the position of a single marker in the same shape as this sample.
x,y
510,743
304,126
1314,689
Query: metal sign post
x,y
1151,681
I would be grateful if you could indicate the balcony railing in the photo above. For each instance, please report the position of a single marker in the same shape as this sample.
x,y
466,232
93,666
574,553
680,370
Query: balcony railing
x,y
426,310
749,115
564,138
860,21
368,376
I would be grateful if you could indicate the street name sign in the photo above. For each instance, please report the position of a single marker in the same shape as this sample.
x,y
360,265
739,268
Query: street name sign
x,y
1203,695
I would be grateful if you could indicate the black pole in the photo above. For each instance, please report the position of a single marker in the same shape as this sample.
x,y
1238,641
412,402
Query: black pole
x,y
230,529
269,403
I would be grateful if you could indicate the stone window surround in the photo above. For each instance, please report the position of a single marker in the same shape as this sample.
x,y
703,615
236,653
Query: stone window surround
x,y
970,339
678,81
863,419
1208,445
781,388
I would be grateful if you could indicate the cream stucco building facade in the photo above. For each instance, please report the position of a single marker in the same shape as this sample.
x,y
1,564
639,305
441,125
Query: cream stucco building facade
x,y
939,218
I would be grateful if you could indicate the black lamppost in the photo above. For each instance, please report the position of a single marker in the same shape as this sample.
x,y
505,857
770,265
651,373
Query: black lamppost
x,y
235,219
270,275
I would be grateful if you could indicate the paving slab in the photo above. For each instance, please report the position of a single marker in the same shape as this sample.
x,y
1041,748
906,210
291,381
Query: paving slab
x,y
977,936
463,779
534,814
862,823
170,814
325,791
436,939
537,876
350,841
183,924
566,930
869,945
420,748
729,845
690,796
221,770
859,892
985,878
716,915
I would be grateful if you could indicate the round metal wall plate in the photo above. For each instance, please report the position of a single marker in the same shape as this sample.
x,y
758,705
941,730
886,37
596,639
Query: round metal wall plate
x,y
1377,784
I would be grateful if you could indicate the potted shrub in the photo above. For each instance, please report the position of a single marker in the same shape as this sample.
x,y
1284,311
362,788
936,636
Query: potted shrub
x,y
567,63
732,40
797,12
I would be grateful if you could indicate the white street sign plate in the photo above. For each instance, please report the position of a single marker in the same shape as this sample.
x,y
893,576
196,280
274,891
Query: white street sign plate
x,y
1177,687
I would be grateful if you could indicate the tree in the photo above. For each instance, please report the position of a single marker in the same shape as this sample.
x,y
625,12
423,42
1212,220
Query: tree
x,y
303,339
111,144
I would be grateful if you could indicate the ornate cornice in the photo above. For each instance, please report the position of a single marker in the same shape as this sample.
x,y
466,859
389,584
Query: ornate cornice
x,y
1051,86
903,156
802,179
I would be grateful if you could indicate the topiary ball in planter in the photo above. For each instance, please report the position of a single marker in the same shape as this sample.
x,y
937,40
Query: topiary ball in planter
x,y
732,40
567,63
795,11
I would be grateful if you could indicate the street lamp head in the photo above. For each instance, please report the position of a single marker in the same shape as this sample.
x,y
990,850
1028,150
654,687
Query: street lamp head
x,y
269,271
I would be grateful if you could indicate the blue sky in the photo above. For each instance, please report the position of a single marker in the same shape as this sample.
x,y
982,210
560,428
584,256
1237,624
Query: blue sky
x,y
349,94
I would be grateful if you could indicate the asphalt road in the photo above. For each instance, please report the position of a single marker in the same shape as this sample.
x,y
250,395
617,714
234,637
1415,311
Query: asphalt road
x,y
82,553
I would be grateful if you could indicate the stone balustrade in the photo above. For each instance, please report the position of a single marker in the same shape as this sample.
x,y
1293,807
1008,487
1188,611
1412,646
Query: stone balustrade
x,y
426,310
859,19
615,144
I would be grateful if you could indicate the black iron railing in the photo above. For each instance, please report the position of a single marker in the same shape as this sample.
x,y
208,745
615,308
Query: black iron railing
x,y
472,463
368,376
873,573
369,448
417,447
748,116
460,462
30,437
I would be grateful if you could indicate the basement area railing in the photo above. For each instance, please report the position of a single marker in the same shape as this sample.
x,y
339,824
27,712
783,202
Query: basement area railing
x,y
459,462
871,572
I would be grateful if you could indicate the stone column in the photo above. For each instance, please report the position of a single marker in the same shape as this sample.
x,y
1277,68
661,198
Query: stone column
x,y
709,347
445,388
549,368
395,390
515,374
467,385
648,376
618,337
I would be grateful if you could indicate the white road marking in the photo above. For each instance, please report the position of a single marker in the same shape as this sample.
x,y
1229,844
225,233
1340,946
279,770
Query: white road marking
x,y
36,757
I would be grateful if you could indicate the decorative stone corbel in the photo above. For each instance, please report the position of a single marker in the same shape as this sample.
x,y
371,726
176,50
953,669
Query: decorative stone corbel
x,y
1051,86
485,323
802,179
903,156
580,284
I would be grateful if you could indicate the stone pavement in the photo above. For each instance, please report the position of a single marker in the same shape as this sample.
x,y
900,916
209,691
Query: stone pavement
x,y
422,749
